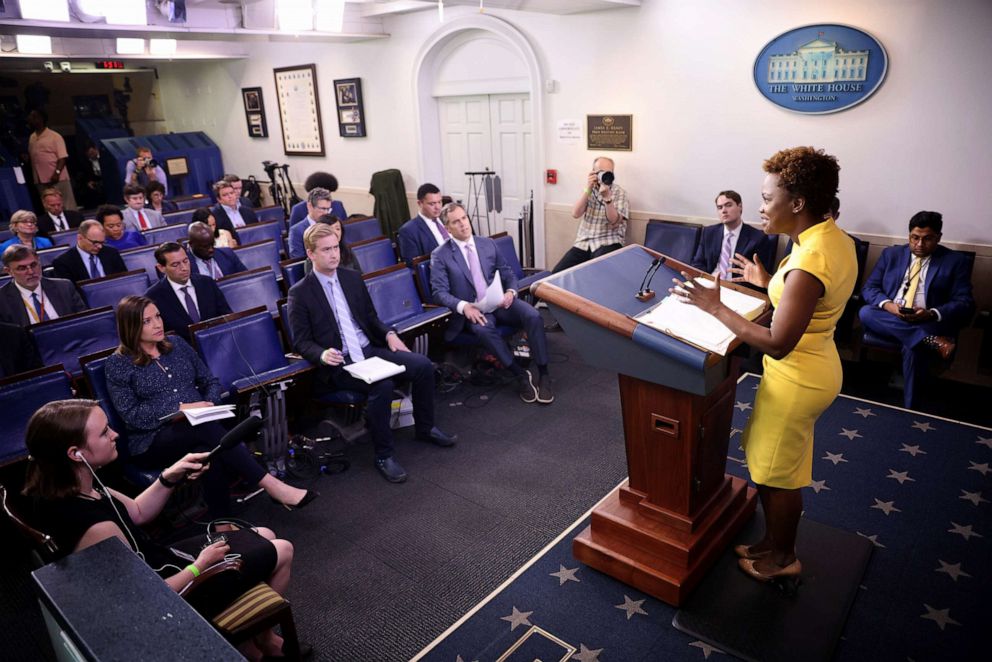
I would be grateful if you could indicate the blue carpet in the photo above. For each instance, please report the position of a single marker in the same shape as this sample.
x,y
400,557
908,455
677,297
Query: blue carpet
x,y
916,486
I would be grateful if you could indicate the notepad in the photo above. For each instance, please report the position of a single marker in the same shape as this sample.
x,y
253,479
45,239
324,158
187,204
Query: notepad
x,y
204,414
696,327
373,369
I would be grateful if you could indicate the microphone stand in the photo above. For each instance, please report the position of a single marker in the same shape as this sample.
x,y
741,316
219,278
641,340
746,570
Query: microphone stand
x,y
645,293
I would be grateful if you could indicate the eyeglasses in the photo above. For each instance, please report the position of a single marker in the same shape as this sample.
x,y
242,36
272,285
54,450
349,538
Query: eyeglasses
x,y
93,241
323,209
27,222
30,266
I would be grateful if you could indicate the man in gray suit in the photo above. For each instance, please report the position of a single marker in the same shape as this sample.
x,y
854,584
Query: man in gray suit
x,y
463,269
137,217
29,298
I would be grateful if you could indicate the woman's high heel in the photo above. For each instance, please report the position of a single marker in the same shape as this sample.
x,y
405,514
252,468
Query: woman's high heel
x,y
791,571
307,498
744,551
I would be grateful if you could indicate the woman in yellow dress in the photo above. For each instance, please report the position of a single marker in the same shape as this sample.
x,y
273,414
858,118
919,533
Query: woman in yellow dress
x,y
802,370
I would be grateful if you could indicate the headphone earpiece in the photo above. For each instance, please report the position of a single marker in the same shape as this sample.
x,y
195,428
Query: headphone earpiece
x,y
79,455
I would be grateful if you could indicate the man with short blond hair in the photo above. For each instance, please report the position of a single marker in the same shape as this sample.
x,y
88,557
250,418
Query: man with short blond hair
x,y
334,324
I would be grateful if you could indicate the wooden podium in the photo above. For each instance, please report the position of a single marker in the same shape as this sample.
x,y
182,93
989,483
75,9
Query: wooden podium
x,y
662,529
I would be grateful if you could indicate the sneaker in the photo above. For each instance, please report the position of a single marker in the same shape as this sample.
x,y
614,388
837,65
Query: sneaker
x,y
525,387
544,393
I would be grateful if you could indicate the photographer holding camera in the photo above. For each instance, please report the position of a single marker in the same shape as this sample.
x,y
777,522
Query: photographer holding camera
x,y
144,169
603,210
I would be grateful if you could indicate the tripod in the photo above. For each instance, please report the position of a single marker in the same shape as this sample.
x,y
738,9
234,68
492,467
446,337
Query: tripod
x,y
281,186
487,183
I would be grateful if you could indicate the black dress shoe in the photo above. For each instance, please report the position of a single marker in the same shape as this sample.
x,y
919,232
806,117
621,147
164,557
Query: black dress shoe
x,y
439,438
307,498
391,470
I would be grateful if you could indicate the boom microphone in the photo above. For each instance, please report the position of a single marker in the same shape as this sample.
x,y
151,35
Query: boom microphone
x,y
243,430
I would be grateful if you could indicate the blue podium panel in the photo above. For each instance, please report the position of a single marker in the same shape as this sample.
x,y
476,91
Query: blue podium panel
x,y
610,283
202,156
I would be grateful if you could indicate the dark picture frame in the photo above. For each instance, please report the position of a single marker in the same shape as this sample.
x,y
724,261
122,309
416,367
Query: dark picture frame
x,y
350,107
254,104
299,110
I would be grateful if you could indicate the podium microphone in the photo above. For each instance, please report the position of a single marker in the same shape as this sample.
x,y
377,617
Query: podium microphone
x,y
645,293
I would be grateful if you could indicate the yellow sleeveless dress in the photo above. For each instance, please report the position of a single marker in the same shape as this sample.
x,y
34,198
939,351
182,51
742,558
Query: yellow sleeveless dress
x,y
795,390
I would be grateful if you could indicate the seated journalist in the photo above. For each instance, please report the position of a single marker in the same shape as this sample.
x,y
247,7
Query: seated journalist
x,y
184,298
68,440
151,377
919,295
334,323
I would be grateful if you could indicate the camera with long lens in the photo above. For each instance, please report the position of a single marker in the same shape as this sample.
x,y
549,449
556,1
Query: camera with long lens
x,y
270,168
606,177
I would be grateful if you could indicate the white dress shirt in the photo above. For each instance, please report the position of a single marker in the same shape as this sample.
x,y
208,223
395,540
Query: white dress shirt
x,y
46,303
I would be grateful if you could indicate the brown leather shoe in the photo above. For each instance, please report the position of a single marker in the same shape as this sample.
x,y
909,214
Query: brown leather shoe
x,y
943,345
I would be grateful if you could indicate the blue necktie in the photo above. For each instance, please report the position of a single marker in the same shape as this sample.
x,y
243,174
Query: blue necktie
x,y
94,269
352,345
194,314
38,307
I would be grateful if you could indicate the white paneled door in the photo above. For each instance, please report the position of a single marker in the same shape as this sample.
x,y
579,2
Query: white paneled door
x,y
488,131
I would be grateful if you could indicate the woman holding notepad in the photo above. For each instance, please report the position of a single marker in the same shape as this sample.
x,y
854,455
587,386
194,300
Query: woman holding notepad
x,y
151,377
802,370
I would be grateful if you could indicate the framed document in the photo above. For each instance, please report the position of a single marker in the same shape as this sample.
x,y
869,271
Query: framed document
x,y
255,112
299,110
351,110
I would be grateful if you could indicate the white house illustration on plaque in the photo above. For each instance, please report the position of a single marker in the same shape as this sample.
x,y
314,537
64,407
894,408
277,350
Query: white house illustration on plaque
x,y
818,60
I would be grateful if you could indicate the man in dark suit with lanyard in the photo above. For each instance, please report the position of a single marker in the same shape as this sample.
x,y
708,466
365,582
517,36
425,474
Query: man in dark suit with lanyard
x,y
183,298
719,243
919,294
90,257
28,298
334,324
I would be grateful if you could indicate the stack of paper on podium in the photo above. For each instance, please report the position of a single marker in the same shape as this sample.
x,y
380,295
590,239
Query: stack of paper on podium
x,y
205,414
373,369
690,324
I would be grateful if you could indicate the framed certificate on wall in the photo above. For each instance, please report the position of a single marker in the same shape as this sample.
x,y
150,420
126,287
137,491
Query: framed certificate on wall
x,y
299,110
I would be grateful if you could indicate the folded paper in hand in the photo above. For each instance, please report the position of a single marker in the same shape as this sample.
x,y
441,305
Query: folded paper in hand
x,y
373,369
696,327
494,295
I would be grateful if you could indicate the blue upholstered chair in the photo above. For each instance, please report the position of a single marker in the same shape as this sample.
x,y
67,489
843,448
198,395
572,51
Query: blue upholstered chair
x,y
156,236
64,340
676,240
293,271
251,288
525,277
263,253
96,382
64,238
243,351
108,291
397,302
362,229
261,231
182,217
142,258
47,256
374,254
273,213
20,397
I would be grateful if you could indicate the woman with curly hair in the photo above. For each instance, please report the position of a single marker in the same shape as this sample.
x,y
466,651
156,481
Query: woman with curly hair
x,y
802,370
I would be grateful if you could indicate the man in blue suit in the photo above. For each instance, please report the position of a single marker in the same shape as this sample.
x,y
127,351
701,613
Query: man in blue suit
x,y
719,243
920,296
208,260
184,298
228,215
318,204
462,270
421,235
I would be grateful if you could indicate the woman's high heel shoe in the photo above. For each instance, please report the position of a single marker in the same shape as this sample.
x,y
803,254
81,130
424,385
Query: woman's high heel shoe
x,y
744,551
791,571
307,498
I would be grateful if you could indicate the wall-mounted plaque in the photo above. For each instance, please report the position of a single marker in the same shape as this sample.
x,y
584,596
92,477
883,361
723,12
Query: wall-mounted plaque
x,y
819,69
299,110
351,108
610,132
255,112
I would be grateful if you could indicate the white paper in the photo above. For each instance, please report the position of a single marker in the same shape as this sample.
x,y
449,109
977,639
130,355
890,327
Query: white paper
x,y
19,174
569,131
696,327
373,369
204,414
494,295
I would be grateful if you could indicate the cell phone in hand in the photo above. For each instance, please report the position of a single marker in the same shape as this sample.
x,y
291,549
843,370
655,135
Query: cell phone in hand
x,y
215,540
906,311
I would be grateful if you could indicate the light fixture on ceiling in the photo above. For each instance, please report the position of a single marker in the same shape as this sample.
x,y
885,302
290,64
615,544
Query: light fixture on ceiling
x,y
162,46
125,12
440,11
45,10
294,15
328,15
34,43
482,8
130,46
